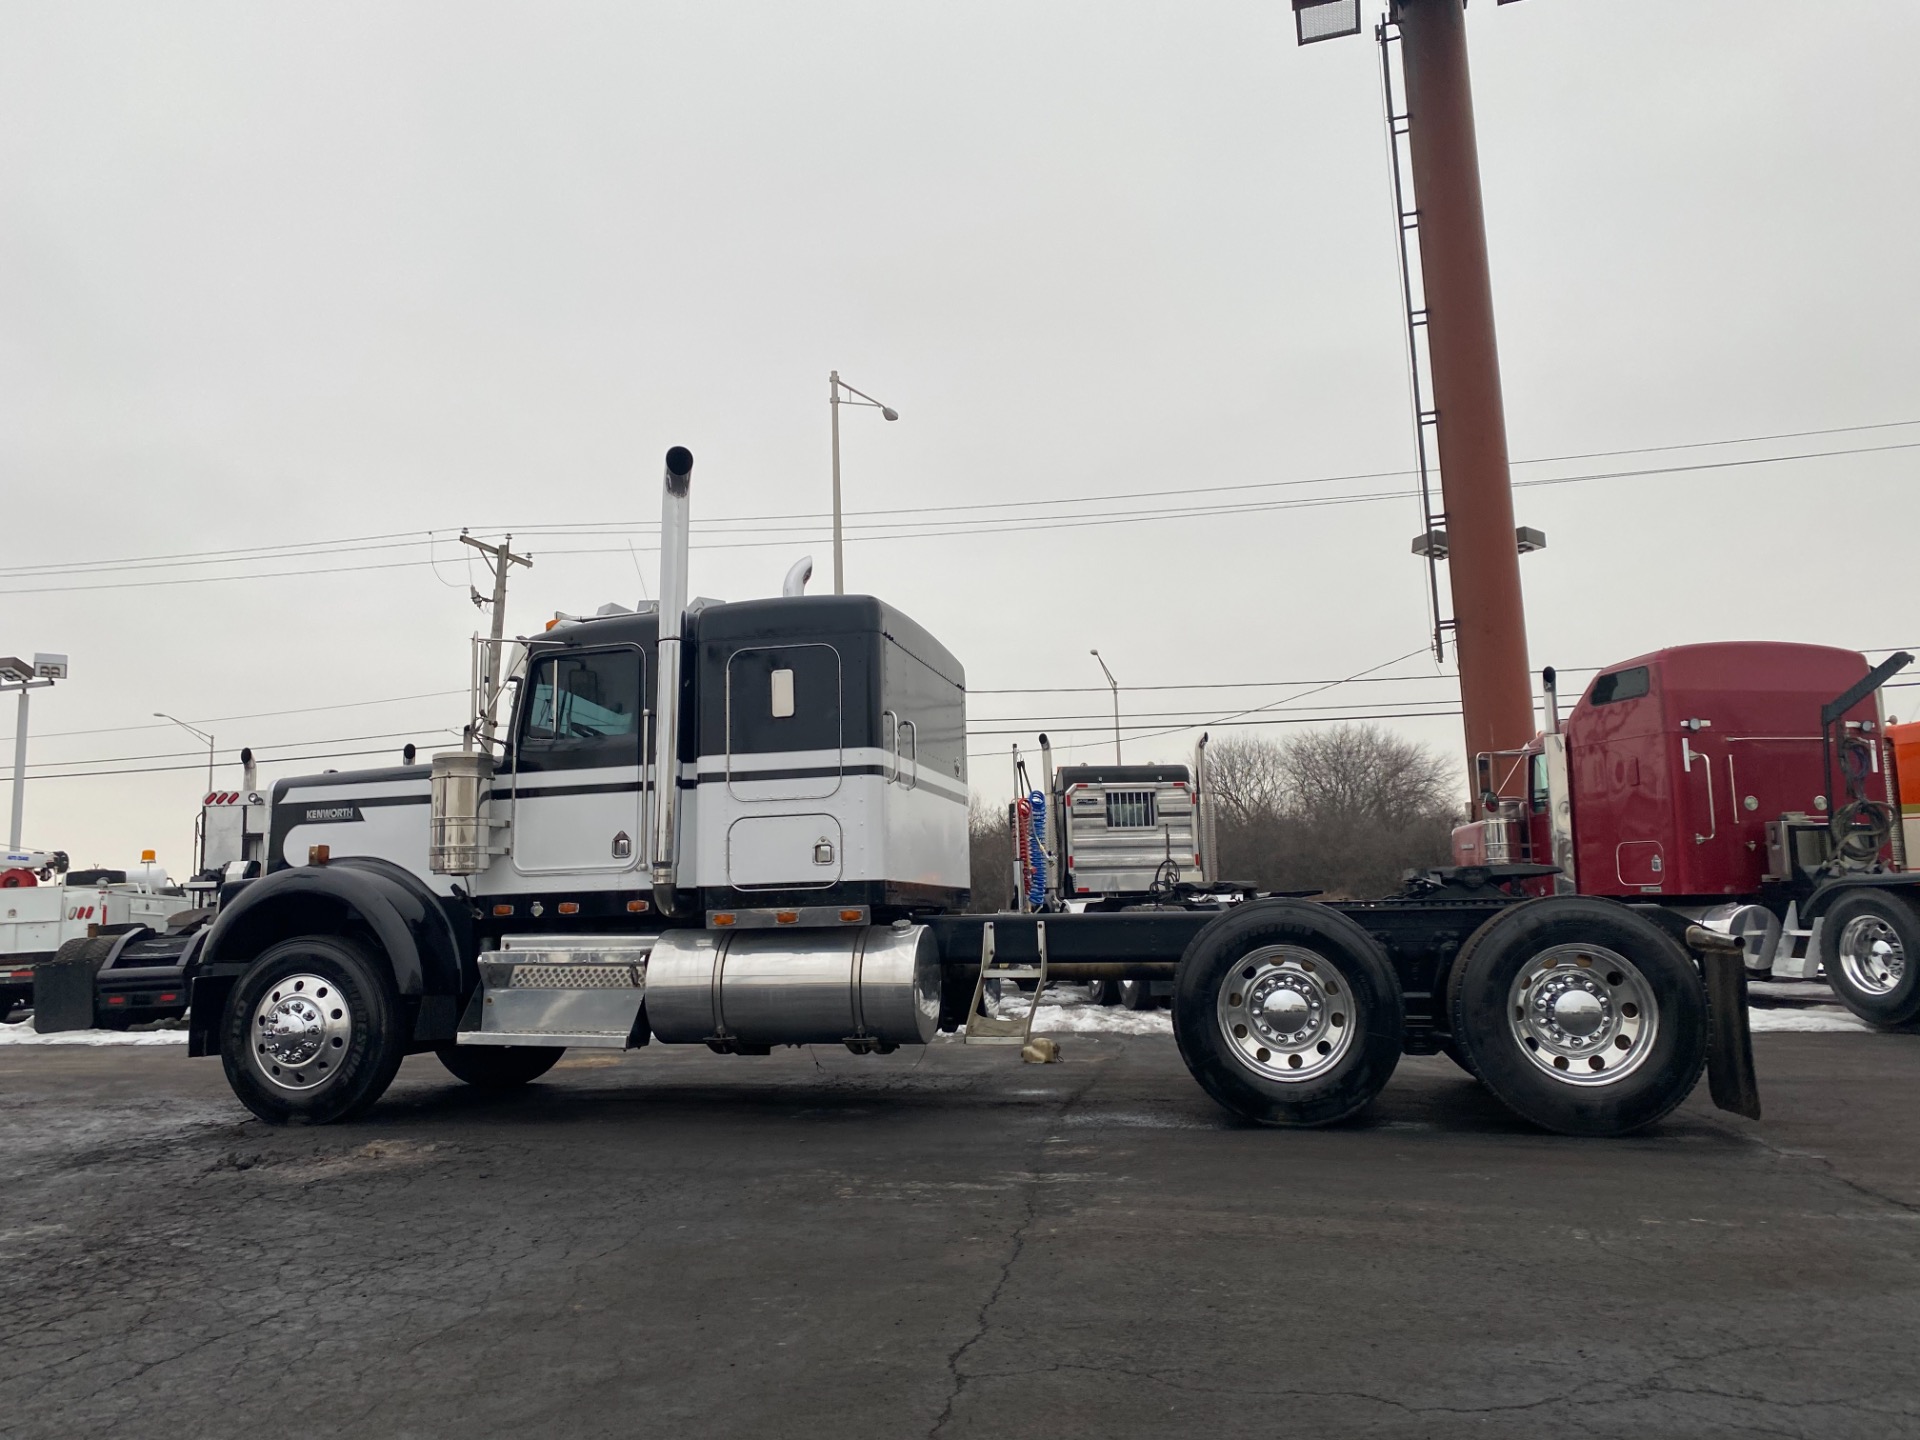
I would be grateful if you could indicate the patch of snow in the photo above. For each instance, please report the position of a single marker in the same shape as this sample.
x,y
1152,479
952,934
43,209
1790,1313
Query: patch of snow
x,y
1068,1012
1812,1018
23,1034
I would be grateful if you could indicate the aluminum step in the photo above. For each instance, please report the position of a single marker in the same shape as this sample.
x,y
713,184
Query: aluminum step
x,y
579,992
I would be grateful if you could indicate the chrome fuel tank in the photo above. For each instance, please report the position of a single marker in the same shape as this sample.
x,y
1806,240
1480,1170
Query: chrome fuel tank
x,y
872,986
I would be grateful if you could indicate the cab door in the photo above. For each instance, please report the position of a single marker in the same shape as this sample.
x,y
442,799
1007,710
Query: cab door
x,y
578,764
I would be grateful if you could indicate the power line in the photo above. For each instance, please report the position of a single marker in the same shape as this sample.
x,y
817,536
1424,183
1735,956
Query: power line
x,y
40,767
165,769
224,719
895,530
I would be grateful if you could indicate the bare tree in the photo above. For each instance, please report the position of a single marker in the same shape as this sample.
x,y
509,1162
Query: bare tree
x,y
1246,776
1346,810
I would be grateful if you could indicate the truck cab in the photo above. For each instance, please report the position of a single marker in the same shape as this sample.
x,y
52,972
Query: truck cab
x,y
1692,773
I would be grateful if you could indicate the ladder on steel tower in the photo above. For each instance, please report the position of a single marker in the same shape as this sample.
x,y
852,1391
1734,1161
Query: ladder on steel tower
x,y
1431,545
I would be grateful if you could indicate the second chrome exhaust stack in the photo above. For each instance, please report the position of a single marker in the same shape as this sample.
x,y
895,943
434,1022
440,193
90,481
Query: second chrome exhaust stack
x,y
675,521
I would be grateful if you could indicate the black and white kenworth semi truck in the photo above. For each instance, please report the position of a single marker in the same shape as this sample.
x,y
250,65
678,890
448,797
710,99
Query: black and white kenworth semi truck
x,y
745,826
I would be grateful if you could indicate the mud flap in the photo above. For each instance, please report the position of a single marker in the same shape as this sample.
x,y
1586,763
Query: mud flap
x,y
1730,1076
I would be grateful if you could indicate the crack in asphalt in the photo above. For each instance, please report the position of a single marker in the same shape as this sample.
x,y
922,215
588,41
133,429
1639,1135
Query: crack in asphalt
x,y
983,1321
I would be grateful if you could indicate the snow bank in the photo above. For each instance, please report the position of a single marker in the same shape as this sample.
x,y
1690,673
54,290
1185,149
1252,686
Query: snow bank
x,y
1811,1018
1068,1012
23,1034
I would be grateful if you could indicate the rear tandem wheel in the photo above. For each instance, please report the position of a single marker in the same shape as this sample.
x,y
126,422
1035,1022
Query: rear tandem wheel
x,y
1580,1015
1287,1013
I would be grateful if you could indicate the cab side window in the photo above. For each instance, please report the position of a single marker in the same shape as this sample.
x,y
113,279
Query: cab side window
x,y
586,705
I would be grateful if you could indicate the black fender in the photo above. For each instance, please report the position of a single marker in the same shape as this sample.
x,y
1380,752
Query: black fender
x,y
426,939
1828,891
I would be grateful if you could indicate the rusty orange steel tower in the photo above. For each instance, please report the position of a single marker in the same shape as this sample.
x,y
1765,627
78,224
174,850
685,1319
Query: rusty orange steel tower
x,y
1473,530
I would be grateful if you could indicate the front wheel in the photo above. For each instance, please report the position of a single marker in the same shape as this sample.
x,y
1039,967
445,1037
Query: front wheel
x,y
312,1032
1287,1013
1580,1015
1868,947
499,1067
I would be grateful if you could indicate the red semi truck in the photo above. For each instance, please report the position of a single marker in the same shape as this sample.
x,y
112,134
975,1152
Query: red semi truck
x,y
1745,786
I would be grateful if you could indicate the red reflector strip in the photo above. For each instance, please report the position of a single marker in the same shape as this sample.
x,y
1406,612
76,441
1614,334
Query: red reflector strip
x,y
116,999
169,998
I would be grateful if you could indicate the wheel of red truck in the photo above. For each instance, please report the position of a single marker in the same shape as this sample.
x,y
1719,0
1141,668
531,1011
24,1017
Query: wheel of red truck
x,y
1868,946
312,1032
499,1067
1580,1015
1287,1013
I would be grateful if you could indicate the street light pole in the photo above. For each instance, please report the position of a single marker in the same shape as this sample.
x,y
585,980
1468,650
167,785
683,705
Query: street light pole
x,y
200,860
834,401
19,771
24,675
201,734
1114,685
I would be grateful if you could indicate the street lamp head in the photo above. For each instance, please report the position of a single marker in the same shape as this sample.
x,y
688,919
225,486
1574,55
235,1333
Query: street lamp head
x,y
888,414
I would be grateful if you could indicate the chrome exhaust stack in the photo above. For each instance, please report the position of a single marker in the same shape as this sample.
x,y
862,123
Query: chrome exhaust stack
x,y
676,508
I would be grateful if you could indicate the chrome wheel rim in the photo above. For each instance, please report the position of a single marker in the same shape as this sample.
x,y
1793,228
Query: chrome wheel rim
x,y
1583,1014
1287,1012
1871,955
299,1032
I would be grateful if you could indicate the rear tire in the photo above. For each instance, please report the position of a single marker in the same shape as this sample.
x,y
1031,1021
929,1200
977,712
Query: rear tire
x,y
312,1032
1870,949
1287,1013
1103,992
499,1067
1136,994
1580,1015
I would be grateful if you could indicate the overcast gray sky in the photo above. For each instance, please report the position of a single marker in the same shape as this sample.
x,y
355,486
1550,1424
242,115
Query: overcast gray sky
x,y
285,274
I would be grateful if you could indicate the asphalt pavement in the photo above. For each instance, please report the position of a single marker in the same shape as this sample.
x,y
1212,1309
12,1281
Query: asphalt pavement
x,y
949,1244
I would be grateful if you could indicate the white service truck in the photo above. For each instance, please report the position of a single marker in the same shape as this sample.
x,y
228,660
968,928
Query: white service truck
x,y
44,905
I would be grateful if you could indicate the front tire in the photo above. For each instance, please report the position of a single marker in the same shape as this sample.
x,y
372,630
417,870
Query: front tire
x,y
1287,1013
499,1067
312,1032
1869,946
1580,1015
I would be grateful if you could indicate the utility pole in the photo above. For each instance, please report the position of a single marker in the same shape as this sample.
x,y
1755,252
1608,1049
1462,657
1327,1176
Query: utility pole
x,y
1483,562
1474,530
502,559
